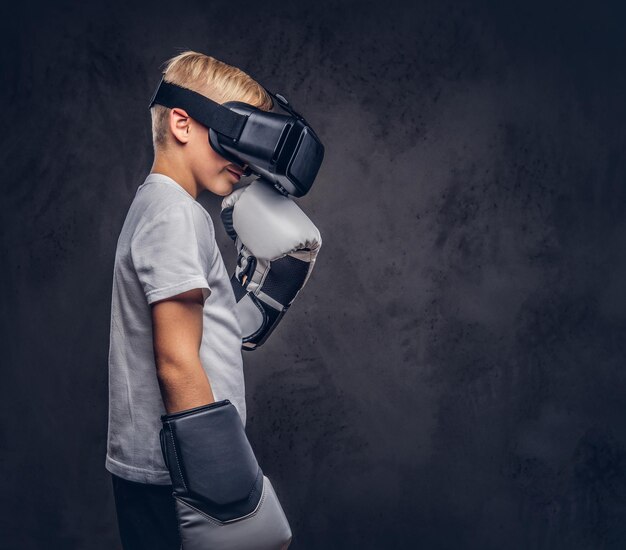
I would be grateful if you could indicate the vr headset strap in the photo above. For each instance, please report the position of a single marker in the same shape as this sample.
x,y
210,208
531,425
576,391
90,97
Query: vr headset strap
x,y
204,110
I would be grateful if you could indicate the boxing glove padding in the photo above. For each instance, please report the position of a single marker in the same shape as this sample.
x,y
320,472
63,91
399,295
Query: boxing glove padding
x,y
222,498
277,246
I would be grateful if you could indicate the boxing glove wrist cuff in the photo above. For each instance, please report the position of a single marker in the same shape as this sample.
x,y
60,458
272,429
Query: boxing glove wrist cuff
x,y
211,463
222,498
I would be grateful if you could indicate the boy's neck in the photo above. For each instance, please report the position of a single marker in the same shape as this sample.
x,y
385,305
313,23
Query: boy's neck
x,y
176,170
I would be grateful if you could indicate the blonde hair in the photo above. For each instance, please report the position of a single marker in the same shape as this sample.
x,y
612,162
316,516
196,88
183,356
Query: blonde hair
x,y
210,77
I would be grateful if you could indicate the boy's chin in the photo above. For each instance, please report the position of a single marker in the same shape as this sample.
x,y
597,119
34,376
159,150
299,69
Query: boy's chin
x,y
221,188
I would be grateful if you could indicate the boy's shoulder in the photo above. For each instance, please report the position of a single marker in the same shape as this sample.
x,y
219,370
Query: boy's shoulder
x,y
159,195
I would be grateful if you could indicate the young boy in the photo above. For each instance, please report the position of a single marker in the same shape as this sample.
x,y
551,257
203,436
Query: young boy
x,y
175,339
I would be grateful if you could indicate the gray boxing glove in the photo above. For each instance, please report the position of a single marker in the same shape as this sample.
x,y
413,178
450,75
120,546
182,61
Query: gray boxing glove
x,y
222,498
277,245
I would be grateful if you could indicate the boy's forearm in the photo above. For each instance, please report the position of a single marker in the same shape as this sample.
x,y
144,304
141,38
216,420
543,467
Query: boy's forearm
x,y
184,385
177,337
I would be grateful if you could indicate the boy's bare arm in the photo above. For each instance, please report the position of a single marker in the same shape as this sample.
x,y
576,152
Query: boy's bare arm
x,y
177,334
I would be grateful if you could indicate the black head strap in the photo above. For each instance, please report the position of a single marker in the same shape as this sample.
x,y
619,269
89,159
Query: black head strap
x,y
204,110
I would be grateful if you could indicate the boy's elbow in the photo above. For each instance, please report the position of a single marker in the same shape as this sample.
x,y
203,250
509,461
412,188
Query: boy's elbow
x,y
174,374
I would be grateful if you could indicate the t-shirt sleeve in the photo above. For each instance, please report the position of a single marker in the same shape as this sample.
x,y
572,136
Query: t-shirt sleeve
x,y
167,255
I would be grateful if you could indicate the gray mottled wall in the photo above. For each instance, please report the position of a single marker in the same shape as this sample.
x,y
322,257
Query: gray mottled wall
x,y
453,375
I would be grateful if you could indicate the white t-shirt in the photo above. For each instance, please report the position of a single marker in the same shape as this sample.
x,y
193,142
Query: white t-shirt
x,y
166,246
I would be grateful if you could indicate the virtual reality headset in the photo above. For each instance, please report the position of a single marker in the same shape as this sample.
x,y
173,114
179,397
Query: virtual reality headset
x,y
280,148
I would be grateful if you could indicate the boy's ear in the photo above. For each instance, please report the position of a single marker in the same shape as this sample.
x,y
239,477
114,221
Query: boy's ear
x,y
180,124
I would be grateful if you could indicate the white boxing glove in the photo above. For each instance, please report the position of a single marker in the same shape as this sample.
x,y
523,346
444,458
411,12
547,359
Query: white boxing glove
x,y
277,245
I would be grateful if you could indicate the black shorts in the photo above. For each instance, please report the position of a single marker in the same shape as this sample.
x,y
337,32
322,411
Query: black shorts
x,y
146,516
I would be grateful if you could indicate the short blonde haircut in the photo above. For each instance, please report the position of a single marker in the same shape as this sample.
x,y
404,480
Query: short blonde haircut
x,y
212,78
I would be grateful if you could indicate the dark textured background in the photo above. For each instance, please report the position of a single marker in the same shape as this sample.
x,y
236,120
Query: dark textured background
x,y
453,374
